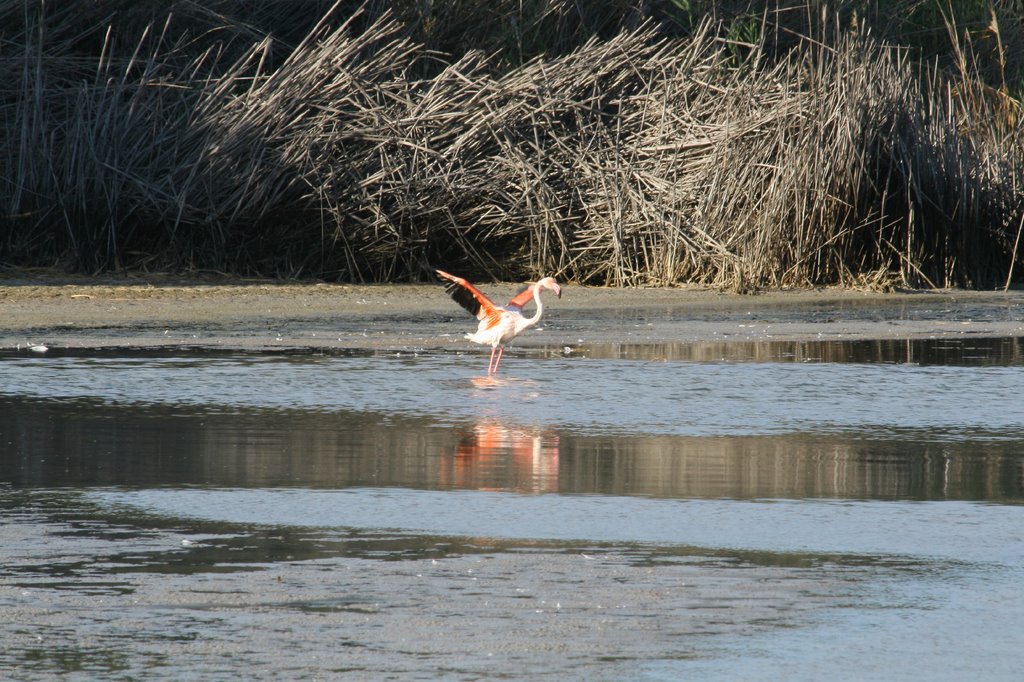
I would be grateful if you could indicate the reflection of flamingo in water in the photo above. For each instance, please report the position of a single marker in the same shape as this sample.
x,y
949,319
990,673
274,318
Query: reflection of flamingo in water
x,y
498,326
490,456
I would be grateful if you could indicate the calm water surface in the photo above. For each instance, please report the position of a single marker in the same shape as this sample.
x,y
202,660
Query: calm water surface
x,y
734,511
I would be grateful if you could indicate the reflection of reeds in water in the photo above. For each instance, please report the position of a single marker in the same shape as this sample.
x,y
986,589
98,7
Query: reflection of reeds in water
x,y
48,444
793,466
972,351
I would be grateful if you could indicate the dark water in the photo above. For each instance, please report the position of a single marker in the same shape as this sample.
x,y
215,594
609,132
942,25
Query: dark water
x,y
731,511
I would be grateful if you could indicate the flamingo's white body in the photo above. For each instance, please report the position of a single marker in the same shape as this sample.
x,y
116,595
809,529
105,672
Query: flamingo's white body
x,y
498,326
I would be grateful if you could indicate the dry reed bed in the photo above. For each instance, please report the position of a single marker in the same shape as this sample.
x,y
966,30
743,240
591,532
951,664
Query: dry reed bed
x,y
633,160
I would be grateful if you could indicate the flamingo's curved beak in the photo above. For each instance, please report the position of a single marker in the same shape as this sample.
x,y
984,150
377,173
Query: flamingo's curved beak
x,y
558,290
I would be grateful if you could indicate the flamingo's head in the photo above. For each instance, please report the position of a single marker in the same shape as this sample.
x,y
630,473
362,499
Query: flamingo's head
x,y
550,283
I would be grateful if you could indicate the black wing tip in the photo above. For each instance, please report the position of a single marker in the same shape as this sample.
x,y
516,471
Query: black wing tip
x,y
459,293
463,297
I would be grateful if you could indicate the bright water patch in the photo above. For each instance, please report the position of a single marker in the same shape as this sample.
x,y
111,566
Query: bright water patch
x,y
950,531
607,396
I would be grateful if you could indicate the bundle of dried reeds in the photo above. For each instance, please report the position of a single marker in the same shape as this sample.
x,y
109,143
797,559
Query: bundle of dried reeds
x,y
636,159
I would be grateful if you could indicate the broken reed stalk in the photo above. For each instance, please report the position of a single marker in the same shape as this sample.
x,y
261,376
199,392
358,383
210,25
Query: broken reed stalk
x,y
1013,254
628,161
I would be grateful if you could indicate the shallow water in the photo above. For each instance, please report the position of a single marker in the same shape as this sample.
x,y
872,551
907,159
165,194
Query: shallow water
x,y
725,510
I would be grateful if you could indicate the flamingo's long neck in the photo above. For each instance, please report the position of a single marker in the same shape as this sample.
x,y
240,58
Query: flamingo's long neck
x,y
529,322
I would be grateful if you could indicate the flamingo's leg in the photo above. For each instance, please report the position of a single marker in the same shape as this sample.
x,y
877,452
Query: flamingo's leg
x,y
490,363
501,349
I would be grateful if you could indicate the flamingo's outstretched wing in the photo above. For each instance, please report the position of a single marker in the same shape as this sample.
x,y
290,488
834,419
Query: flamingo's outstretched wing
x,y
522,297
468,296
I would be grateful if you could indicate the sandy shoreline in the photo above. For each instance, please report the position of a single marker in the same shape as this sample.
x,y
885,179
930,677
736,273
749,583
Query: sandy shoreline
x,y
74,312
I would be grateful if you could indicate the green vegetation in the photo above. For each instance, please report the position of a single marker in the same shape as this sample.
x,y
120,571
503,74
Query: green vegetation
x,y
737,144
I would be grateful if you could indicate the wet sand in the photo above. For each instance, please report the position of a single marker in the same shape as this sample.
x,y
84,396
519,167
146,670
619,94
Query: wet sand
x,y
110,313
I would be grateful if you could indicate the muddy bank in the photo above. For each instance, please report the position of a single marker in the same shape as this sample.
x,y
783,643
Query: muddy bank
x,y
73,312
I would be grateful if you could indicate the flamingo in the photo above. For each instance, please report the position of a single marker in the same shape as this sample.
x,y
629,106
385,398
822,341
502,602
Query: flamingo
x,y
498,326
